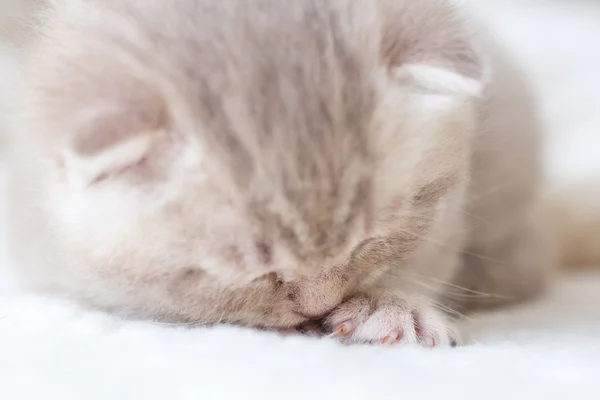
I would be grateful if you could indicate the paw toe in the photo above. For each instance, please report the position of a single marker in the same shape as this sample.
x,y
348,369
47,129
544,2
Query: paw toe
x,y
357,321
344,329
393,338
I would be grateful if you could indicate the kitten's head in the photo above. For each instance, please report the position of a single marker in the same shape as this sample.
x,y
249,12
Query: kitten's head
x,y
203,155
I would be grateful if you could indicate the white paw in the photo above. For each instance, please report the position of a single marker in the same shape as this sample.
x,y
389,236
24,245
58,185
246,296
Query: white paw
x,y
390,321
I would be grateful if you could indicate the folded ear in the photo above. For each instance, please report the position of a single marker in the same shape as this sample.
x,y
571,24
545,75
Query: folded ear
x,y
99,100
109,135
429,44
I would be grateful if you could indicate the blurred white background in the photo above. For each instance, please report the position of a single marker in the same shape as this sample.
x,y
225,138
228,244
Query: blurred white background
x,y
558,43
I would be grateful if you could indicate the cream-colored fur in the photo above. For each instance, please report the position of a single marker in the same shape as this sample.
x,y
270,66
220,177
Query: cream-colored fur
x,y
367,164
573,214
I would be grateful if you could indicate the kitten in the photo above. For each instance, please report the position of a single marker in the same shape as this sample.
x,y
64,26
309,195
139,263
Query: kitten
x,y
368,164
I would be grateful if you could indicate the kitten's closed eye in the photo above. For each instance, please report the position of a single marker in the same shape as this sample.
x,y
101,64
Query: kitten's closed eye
x,y
271,277
430,193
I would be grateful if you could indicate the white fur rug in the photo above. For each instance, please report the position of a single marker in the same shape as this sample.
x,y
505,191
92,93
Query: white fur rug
x,y
53,350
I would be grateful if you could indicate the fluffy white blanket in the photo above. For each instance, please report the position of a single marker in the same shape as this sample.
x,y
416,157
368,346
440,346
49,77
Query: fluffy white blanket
x,y
53,350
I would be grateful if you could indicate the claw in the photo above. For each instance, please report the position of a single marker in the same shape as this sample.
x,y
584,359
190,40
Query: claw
x,y
344,329
388,340
392,338
428,341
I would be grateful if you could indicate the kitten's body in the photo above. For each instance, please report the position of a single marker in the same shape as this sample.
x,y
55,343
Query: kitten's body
x,y
269,162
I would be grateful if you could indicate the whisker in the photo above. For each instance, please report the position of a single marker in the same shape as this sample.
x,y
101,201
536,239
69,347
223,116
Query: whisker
x,y
449,310
452,295
452,285
441,244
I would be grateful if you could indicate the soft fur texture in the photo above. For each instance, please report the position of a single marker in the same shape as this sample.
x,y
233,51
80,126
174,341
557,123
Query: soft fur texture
x,y
369,164
53,350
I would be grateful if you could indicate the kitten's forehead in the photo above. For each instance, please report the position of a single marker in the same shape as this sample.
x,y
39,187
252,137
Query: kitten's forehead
x,y
285,96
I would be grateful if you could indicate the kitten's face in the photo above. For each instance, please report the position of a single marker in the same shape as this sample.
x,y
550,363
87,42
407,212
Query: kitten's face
x,y
251,172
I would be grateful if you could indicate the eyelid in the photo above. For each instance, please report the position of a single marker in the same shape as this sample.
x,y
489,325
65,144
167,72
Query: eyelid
x,y
359,248
272,277
367,244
